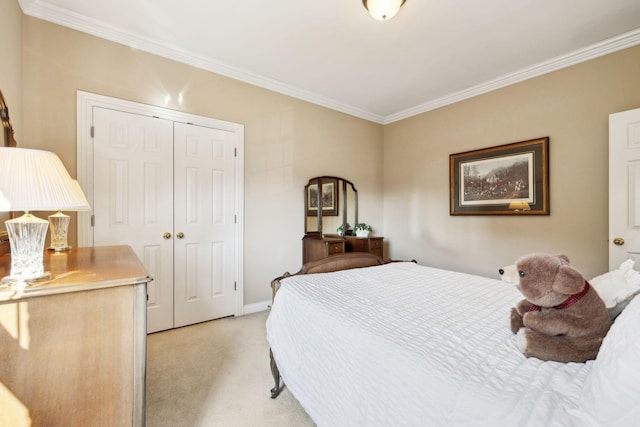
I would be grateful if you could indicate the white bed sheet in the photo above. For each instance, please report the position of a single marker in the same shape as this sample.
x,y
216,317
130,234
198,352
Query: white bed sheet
x,y
408,345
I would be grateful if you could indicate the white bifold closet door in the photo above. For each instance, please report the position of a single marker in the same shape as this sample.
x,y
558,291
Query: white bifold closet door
x,y
167,189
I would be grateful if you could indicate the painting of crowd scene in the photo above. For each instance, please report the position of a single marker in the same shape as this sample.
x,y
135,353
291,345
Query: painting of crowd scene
x,y
497,180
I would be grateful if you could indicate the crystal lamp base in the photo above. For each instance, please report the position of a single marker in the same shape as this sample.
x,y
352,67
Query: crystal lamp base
x,y
26,238
59,232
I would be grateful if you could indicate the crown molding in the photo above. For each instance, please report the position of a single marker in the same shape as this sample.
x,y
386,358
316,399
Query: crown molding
x,y
47,12
42,10
614,44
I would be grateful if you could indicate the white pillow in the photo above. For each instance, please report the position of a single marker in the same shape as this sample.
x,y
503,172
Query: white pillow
x,y
617,287
610,394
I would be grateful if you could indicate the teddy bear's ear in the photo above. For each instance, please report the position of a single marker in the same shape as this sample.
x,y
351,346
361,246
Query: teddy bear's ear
x,y
563,258
568,281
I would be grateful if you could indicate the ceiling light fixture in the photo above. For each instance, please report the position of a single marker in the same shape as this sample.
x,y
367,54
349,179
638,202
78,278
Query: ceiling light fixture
x,y
383,10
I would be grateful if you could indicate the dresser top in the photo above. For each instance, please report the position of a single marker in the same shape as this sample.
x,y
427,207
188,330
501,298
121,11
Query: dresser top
x,y
78,270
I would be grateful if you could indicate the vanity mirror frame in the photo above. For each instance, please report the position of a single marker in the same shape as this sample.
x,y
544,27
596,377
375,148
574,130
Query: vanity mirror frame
x,y
335,202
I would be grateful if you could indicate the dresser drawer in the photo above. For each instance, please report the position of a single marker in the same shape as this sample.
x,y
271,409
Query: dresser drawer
x,y
335,248
375,244
314,248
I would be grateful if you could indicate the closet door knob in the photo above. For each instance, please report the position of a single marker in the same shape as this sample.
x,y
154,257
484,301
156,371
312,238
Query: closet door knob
x,y
180,235
166,236
619,241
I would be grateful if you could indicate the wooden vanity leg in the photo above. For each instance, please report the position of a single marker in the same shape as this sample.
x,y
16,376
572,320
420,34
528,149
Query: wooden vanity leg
x,y
275,391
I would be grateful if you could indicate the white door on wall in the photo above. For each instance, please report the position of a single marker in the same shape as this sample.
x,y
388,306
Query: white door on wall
x,y
167,189
204,224
624,187
133,198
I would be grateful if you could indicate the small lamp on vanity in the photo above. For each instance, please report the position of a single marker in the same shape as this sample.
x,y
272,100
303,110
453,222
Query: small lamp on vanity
x,y
519,206
32,180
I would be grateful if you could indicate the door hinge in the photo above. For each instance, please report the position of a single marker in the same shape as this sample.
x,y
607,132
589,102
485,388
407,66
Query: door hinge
x,y
235,152
93,220
235,219
235,286
92,131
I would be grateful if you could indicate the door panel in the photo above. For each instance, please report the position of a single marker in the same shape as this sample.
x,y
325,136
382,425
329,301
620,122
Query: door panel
x,y
624,187
205,214
133,198
167,189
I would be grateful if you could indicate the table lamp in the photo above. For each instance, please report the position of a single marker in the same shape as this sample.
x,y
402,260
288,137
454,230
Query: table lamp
x,y
59,222
519,206
32,180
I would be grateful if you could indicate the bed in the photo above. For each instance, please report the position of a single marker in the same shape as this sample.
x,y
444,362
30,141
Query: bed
x,y
368,343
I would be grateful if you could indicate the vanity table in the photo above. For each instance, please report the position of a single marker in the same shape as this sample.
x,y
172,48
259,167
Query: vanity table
x,y
317,247
314,248
373,245
331,203
73,347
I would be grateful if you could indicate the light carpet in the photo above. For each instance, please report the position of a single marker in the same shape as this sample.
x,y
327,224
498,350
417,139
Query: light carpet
x,y
216,374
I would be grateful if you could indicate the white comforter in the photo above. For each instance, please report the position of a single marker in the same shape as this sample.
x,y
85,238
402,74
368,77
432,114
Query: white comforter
x,y
408,345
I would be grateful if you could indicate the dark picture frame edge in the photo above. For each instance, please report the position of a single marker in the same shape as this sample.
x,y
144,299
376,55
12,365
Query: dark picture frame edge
x,y
8,140
7,129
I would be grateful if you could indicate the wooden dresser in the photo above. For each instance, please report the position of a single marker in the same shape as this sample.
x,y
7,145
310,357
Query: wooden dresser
x,y
73,348
331,203
316,247
4,243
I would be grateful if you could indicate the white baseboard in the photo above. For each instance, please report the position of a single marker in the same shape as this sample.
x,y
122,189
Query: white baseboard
x,y
256,307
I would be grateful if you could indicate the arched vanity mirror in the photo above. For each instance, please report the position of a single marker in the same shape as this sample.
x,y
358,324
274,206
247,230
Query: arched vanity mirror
x,y
331,205
331,212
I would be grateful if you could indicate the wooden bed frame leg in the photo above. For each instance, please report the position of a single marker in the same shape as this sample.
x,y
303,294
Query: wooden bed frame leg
x,y
275,391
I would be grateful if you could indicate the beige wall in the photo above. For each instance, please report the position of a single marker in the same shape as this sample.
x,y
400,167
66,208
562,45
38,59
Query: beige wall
x,y
571,106
287,141
11,69
11,62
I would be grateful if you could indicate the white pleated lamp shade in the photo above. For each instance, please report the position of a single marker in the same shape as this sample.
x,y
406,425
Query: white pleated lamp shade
x,y
80,203
36,180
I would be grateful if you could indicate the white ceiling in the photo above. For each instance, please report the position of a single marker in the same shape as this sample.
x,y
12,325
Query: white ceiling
x,y
332,53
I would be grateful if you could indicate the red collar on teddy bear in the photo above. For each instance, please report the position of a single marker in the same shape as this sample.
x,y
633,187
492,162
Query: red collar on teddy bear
x,y
568,302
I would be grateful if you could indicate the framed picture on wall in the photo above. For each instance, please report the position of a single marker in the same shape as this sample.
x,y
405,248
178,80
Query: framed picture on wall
x,y
328,198
510,179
